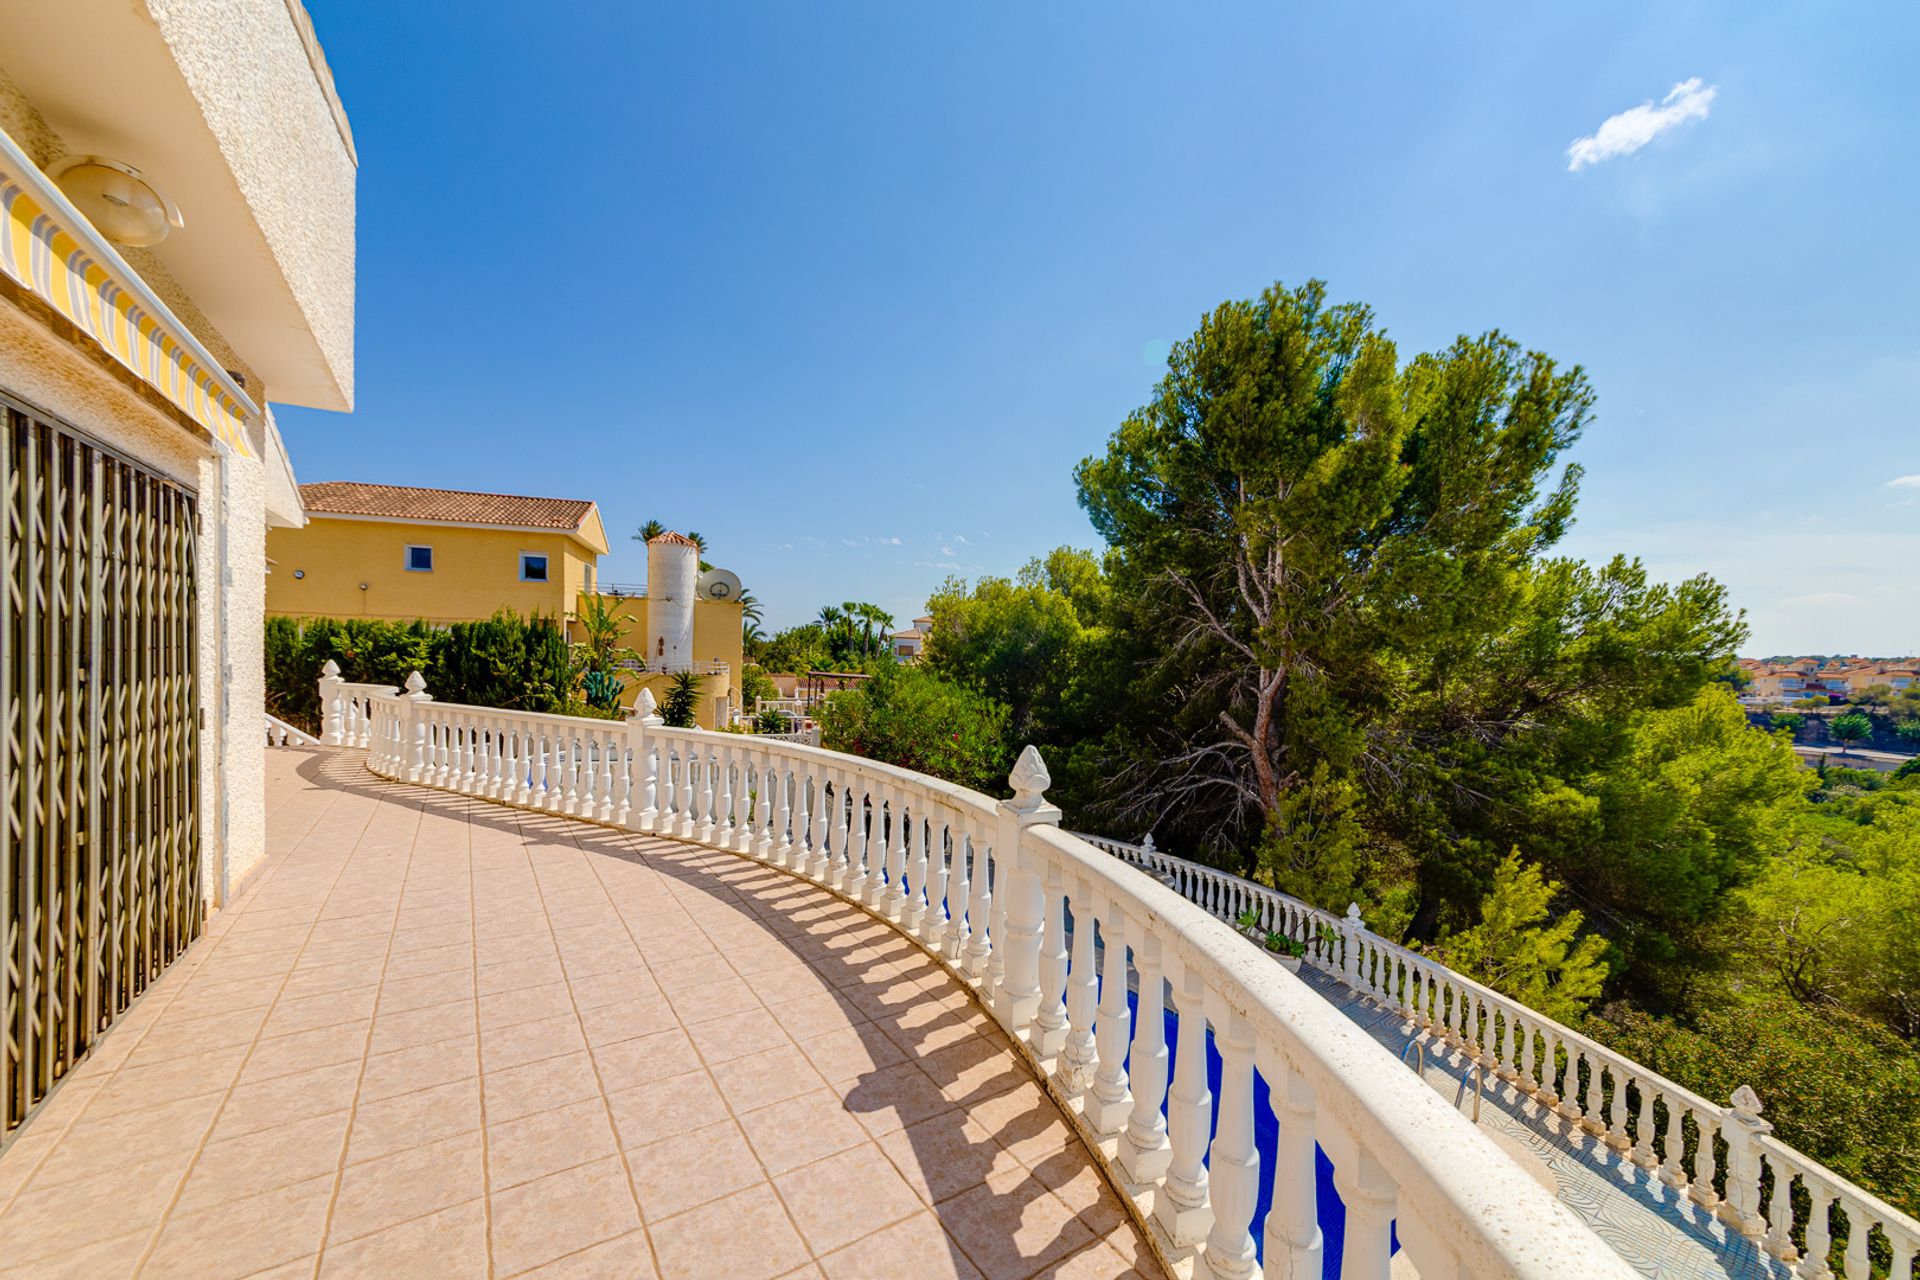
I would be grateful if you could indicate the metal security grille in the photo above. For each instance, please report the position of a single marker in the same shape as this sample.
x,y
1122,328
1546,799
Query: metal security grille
x,y
99,856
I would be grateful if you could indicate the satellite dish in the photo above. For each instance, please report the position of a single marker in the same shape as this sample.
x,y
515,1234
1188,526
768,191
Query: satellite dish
x,y
720,584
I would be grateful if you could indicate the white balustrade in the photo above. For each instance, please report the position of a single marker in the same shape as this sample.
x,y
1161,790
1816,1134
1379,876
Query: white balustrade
x,y
987,887
282,734
1629,1107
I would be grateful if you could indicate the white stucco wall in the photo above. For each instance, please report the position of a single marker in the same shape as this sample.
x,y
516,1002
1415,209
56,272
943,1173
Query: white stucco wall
x,y
247,65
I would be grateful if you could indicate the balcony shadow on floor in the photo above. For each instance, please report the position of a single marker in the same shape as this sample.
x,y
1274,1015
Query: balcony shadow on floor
x,y
1010,1189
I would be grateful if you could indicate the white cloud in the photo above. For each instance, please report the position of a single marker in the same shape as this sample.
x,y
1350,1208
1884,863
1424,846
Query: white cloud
x,y
1627,132
1904,482
948,552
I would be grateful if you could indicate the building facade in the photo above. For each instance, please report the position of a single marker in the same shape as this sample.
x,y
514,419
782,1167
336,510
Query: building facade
x,y
177,187
399,553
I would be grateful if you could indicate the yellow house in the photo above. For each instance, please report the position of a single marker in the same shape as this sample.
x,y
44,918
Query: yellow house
x,y
399,553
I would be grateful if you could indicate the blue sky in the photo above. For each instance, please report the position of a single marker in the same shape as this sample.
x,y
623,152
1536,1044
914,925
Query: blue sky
x,y
850,288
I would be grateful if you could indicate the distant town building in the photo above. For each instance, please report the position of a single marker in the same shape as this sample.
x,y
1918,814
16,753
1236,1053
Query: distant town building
x,y
908,645
1827,677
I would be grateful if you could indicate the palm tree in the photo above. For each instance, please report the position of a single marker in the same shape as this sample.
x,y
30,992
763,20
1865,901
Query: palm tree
x,y
649,531
750,614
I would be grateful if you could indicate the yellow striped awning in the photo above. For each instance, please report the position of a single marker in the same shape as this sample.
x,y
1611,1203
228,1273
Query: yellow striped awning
x,y
55,254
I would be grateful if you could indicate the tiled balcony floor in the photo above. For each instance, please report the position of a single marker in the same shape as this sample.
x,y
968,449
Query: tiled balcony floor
x,y
439,1037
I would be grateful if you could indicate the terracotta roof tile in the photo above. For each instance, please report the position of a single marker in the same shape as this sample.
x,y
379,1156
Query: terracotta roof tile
x,y
351,498
673,539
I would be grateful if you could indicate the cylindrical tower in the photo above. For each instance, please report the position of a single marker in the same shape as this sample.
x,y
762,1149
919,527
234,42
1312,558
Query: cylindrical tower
x,y
673,579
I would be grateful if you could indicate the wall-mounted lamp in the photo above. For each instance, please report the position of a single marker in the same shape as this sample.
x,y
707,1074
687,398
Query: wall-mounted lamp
x,y
116,200
299,573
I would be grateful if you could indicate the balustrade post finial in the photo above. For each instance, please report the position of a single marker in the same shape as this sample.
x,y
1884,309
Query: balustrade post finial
x,y
1146,842
415,726
1029,780
416,686
333,726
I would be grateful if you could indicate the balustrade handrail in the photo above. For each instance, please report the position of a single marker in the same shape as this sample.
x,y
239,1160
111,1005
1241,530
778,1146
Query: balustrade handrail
x,y
1483,1022
985,886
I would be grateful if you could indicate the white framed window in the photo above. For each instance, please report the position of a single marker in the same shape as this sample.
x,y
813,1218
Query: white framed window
x,y
533,566
419,559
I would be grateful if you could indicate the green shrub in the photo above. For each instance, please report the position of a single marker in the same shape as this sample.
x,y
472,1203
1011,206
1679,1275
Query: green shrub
x,y
683,700
910,717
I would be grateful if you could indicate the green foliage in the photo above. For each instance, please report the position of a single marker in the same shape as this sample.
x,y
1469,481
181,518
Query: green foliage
x,y
1022,641
755,685
1908,731
1850,728
1787,721
679,709
1515,951
771,721
504,661
913,718
602,689
1835,1086
603,620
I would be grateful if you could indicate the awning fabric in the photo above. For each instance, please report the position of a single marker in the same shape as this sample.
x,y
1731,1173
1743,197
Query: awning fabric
x,y
54,254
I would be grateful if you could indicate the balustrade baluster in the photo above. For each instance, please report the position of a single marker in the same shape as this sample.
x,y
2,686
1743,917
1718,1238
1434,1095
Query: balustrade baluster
x,y
1616,1110
1590,1097
860,839
1145,1151
766,806
1110,1100
1816,1262
1854,1262
980,892
846,813
1235,1161
684,760
916,900
1295,1247
817,868
1779,1240
620,756
1370,1196
1050,1020
894,903
1706,1161
1180,1203
1079,1054
788,820
1643,1154
703,801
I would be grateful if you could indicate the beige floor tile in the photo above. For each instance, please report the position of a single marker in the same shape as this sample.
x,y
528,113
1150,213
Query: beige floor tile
x,y
1070,1174
90,1260
452,1242
801,1130
549,1141
614,987
242,1237
628,1063
809,1016
524,1004
45,1222
406,1029
539,1086
397,995
946,1155
328,1010
737,1035
424,1066
305,1051
1024,1121
629,1257
1012,1225
381,1193
828,1217
842,1055
151,1133
761,1079
690,1169
709,1000
527,1042
650,1112
626,1019
538,1222
413,1119
746,1236
136,1088
1095,1261
918,1247
264,1161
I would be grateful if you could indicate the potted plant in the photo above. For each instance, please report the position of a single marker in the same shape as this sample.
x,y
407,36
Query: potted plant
x,y
1288,951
